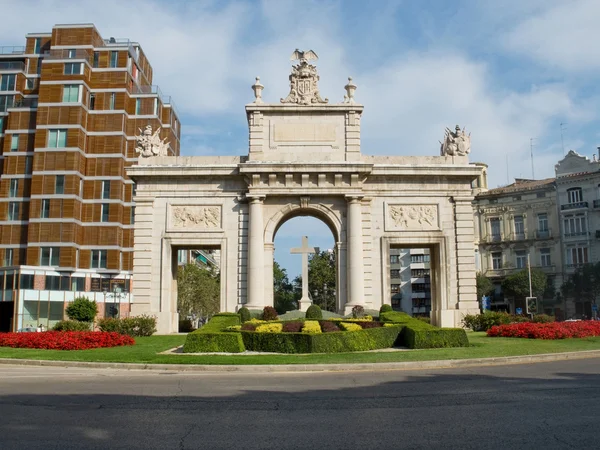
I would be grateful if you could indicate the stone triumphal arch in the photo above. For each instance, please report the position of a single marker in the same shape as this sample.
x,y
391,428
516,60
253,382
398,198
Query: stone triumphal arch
x,y
304,158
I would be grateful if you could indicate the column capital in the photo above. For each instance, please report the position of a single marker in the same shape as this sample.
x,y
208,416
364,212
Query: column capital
x,y
255,198
354,198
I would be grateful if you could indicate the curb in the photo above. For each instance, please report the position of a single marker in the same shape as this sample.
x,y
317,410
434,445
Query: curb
x,y
286,368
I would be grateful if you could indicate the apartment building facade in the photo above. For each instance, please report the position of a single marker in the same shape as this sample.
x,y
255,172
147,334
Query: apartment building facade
x,y
517,225
410,276
71,106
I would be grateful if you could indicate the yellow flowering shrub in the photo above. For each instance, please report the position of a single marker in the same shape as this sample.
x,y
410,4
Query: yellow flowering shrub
x,y
256,321
311,327
269,328
347,326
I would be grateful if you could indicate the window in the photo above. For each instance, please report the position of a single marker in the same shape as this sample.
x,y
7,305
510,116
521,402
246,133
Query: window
x,y
133,190
519,227
13,211
57,138
7,82
28,163
497,260
419,258
419,273
71,93
495,228
577,255
98,259
50,256
14,143
111,100
30,83
37,46
394,259
421,287
81,188
14,188
92,104
8,257
114,59
574,195
541,194
26,281
545,257
138,105
517,198
395,273
575,225
543,221
59,184
45,213
6,101
182,256
395,288
521,259
96,59
104,212
71,53
52,283
132,218
73,68
106,189
1,124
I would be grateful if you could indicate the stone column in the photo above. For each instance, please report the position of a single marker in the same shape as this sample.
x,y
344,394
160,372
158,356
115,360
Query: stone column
x,y
256,252
354,262
269,296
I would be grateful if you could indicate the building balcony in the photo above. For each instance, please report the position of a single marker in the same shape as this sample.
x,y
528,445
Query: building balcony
x,y
543,234
574,266
578,235
547,269
518,236
421,295
499,273
492,238
576,205
11,50
75,54
12,66
24,103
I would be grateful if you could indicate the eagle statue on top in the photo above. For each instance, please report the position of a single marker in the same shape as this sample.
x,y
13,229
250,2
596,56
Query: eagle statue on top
x,y
304,89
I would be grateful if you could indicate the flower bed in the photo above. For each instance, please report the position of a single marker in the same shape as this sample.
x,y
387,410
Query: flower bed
x,y
555,330
64,340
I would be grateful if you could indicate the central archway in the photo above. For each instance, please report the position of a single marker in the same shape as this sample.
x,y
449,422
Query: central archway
x,y
331,218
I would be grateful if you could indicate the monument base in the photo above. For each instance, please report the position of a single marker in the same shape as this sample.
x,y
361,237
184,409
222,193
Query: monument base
x,y
303,304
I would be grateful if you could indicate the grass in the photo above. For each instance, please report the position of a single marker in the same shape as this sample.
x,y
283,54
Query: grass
x,y
147,348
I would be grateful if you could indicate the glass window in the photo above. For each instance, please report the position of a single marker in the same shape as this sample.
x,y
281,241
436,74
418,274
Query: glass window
x,y
114,59
541,194
96,59
577,255
30,83
13,211
575,225
395,288
52,283
59,186
106,189
7,82
519,226
395,273
49,256
98,259
72,53
104,212
37,46
28,163
132,219
138,105
14,188
78,284
497,260
73,68
543,222
545,257
111,100
57,138
574,195
521,259
1,124
92,104
6,101
14,143
26,281
495,228
8,257
45,213
71,93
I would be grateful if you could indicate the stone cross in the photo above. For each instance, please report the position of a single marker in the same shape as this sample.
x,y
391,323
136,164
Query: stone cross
x,y
305,250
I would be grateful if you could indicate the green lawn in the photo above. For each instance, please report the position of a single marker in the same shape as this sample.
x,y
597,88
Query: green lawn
x,y
147,348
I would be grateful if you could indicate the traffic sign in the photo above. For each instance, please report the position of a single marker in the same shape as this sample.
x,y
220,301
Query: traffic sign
x,y
532,305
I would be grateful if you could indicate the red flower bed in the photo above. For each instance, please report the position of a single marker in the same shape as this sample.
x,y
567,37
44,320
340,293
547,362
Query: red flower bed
x,y
555,330
65,340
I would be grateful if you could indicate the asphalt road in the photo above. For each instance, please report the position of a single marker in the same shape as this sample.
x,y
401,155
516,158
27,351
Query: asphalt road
x,y
546,405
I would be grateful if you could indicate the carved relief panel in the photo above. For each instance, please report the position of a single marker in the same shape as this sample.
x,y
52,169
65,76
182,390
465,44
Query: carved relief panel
x,y
411,217
195,217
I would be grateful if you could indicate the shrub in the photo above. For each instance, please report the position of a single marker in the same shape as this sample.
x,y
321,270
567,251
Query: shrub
x,y
248,326
424,319
255,321
269,328
314,312
72,325
364,324
485,321
311,327
82,309
292,327
328,326
233,328
185,326
436,338
64,340
543,318
244,314
212,337
132,326
385,308
358,311
553,330
348,326
269,313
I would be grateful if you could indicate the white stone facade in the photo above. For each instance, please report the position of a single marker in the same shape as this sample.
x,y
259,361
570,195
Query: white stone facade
x,y
304,160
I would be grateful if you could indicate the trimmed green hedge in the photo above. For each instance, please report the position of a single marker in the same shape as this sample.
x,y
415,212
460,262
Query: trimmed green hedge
x,y
418,334
212,338
333,342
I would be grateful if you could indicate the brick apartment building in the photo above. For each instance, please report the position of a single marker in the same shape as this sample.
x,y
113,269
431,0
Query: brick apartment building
x,y
71,104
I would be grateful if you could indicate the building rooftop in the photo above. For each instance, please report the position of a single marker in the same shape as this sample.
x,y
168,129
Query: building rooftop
x,y
520,185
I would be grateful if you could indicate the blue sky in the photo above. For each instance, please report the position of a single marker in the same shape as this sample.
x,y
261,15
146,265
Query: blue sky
x,y
509,71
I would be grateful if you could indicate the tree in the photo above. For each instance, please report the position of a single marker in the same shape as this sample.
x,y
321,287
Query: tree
x,y
584,283
321,279
517,284
82,309
484,285
198,291
284,297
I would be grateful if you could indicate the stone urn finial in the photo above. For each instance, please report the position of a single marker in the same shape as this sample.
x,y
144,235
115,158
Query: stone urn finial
x,y
257,88
350,89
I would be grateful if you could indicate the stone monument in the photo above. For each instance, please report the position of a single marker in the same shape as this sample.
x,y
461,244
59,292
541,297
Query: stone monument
x,y
305,250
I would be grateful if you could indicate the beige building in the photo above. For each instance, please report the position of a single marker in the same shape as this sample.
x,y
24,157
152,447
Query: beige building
x,y
514,223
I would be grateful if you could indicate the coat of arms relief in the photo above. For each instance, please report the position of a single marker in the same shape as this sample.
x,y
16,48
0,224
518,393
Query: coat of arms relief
x,y
150,144
304,89
456,143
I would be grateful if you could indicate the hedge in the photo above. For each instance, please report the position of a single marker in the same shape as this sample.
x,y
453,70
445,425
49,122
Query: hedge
x,y
333,342
212,338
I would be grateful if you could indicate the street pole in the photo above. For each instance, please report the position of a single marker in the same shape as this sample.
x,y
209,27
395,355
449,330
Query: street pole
x,y
529,270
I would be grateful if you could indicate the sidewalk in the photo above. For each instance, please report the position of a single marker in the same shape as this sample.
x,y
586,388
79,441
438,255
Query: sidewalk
x,y
283,368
